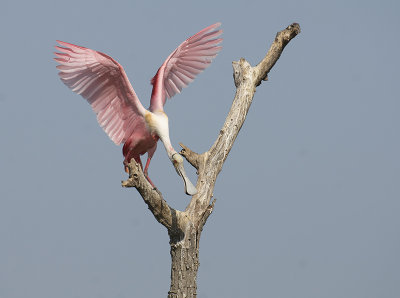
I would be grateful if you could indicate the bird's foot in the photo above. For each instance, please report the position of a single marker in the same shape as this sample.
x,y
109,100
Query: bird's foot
x,y
148,179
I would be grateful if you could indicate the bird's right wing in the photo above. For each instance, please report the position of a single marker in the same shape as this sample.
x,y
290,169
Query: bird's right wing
x,y
103,83
189,59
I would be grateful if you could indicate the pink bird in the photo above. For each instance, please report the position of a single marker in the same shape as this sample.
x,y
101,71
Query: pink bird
x,y
104,84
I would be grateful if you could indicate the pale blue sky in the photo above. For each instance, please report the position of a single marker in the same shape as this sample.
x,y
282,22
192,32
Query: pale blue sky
x,y
307,202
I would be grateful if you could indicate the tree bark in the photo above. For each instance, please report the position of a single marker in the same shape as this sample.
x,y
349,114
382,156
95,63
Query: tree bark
x,y
185,227
185,264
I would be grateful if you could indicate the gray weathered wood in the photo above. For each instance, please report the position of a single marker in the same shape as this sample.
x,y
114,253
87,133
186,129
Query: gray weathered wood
x,y
185,227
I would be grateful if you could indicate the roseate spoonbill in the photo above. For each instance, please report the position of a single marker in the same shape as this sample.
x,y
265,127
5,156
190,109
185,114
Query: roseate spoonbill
x,y
104,84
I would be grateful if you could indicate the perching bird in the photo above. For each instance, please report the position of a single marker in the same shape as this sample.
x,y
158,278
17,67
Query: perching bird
x,y
103,82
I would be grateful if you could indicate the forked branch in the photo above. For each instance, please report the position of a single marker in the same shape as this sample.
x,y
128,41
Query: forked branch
x,y
210,163
185,227
151,196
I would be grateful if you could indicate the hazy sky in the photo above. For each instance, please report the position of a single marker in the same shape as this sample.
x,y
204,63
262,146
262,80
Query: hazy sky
x,y
308,199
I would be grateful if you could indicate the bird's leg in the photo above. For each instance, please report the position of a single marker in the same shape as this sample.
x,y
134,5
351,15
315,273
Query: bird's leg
x,y
139,161
151,182
145,171
147,166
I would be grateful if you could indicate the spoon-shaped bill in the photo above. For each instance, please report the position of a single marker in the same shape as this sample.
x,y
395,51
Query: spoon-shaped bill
x,y
190,189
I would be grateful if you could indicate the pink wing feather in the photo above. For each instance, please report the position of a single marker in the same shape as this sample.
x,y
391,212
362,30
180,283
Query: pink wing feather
x,y
181,67
103,82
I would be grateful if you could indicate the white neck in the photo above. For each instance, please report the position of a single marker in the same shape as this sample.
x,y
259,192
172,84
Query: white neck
x,y
160,121
168,147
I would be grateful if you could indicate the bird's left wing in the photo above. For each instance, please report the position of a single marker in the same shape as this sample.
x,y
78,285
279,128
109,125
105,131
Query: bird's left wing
x,y
181,67
103,83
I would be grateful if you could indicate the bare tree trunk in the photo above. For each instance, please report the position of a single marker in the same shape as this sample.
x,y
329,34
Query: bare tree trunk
x,y
184,264
185,227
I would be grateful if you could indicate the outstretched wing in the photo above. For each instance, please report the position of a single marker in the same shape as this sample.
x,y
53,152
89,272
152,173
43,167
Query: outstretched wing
x,y
181,67
103,82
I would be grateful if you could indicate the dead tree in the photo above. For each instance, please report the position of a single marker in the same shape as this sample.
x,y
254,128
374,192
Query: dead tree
x,y
185,227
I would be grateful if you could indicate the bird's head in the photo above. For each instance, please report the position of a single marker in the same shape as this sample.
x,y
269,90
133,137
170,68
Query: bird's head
x,y
177,161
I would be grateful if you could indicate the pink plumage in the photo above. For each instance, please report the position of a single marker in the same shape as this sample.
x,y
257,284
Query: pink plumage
x,y
103,82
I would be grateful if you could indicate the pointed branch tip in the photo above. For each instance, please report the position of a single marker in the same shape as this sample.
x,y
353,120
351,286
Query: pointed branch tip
x,y
192,157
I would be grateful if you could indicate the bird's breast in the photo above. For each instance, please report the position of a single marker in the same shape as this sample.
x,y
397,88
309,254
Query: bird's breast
x,y
150,121
155,121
